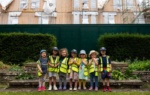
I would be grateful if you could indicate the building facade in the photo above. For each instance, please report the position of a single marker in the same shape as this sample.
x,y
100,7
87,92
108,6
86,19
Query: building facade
x,y
73,11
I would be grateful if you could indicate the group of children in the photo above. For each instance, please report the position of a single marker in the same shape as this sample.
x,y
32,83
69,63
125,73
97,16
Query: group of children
x,y
77,67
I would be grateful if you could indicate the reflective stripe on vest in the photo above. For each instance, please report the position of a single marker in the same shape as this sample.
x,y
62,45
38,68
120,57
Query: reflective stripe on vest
x,y
108,65
63,66
92,69
53,69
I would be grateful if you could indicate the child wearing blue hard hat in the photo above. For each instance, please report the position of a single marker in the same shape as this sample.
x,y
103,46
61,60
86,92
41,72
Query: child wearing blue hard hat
x,y
105,69
42,64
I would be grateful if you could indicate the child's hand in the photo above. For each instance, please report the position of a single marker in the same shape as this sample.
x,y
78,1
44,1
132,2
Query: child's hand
x,y
41,71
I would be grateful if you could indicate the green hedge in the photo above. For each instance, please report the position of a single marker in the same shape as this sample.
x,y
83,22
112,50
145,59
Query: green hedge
x,y
19,47
125,46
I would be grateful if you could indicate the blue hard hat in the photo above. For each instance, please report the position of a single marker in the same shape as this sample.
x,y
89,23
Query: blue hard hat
x,y
43,50
55,48
82,52
102,49
74,51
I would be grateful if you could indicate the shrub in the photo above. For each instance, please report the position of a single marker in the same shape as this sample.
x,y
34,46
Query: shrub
x,y
140,65
19,47
126,46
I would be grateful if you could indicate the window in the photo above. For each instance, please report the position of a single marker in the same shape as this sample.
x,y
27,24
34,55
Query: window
x,y
139,18
93,17
44,18
76,16
109,17
85,19
129,4
76,4
35,4
85,4
117,4
13,17
23,4
93,4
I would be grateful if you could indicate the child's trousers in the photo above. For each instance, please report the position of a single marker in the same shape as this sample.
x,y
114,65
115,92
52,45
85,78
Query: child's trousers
x,y
62,78
92,79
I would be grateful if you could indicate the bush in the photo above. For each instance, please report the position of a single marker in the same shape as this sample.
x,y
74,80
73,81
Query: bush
x,y
19,47
140,66
126,46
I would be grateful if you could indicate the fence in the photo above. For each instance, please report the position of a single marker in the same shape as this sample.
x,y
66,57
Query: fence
x,y
78,36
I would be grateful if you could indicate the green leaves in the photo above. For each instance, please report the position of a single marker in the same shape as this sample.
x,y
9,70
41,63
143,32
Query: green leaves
x,y
125,46
140,65
19,47
118,75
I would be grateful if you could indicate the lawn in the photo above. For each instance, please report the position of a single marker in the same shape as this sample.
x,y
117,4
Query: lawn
x,y
75,93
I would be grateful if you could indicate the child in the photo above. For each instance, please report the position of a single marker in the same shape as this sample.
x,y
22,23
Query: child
x,y
93,62
53,69
63,68
73,69
83,71
105,68
42,64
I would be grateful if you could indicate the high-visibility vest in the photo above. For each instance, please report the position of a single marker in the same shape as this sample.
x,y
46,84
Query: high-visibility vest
x,y
85,69
64,66
52,61
94,68
108,65
38,72
74,67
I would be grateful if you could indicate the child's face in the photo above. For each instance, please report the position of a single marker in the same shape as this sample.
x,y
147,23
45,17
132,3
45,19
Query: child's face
x,y
82,56
63,53
43,54
55,52
93,55
73,54
103,52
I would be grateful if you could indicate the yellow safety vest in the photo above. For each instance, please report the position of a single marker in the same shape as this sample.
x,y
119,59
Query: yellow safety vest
x,y
108,65
85,69
53,69
92,69
64,66
74,67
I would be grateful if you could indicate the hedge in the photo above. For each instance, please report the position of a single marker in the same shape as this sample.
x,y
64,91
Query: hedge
x,y
19,47
126,46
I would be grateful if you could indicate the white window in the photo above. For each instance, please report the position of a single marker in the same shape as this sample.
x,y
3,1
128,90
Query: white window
x,y
85,19
76,17
35,4
85,4
44,18
23,4
129,4
13,17
93,17
109,17
93,4
76,4
139,2
117,4
139,18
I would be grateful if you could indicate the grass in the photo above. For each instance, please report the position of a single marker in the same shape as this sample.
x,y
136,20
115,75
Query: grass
x,y
74,93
